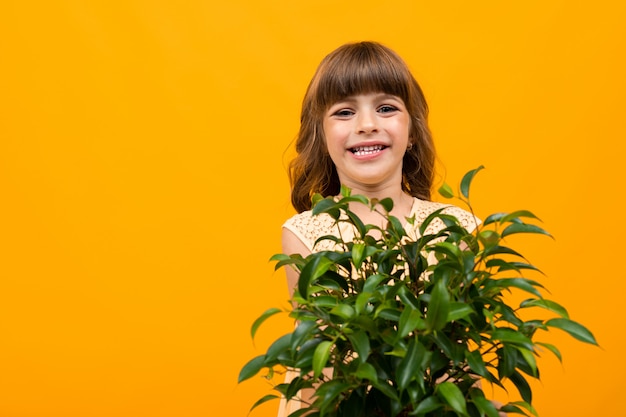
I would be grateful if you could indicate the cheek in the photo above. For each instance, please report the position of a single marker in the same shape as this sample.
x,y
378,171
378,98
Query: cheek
x,y
414,128
334,142
333,135
325,135
405,128
402,128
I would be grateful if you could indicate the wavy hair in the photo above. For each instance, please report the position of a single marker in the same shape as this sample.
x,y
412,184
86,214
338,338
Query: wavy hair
x,y
351,69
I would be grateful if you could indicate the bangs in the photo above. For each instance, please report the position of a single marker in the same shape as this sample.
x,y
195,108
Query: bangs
x,y
360,69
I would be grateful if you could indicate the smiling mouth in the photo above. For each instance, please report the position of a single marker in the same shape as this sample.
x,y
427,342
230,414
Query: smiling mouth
x,y
367,150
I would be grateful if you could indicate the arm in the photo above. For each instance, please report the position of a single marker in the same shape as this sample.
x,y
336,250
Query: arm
x,y
292,244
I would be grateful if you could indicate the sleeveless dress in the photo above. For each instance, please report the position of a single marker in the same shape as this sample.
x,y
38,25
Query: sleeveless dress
x,y
309,228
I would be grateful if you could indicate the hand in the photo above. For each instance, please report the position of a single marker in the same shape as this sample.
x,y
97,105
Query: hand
x,y
498,405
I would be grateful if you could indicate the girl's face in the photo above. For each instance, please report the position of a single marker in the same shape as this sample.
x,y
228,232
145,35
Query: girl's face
x,y
367,136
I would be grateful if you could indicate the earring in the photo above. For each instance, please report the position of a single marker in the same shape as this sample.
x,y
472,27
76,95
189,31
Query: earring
x,y
410,146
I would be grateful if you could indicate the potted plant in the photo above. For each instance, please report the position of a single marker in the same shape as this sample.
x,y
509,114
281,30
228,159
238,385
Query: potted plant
x,y
403,335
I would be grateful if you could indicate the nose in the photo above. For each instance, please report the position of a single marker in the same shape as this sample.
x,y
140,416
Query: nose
x,y
366,122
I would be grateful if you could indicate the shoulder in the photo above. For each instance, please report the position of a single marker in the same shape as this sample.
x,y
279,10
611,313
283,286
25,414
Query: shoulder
x,y
422,209
308,228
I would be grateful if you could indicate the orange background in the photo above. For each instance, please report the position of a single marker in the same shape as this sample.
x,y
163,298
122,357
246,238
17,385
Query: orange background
x,y
143,147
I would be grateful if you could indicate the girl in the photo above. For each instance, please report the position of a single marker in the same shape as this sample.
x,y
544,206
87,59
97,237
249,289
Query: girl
x,y
363,125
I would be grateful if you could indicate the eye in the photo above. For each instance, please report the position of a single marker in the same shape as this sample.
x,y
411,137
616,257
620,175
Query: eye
x,y
387,108
343,113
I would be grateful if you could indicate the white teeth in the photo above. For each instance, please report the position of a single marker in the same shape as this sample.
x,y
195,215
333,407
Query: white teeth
x,y
367,150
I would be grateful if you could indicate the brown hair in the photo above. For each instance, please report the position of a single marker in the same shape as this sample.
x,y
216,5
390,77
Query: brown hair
x,y
352,69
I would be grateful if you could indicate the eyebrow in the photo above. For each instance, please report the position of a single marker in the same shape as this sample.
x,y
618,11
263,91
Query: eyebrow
x,y
352,98
392,96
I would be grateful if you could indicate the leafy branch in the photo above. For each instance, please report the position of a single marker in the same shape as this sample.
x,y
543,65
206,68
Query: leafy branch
x,y
407,326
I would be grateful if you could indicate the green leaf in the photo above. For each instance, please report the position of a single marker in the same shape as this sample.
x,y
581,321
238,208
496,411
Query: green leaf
x,y
517,214
459,311
291,390
510,408
281,345
362,301
267,314
373,281
352,405
507,360
523,228
357,198
312,271
492,218
366,323
408,298
476,363
282,260
251,368
450,349
576,330
427,405
506,335
410,319
552,349
366,371
547,304
409,367
304,356
522,386
498,250
395,227
521,283
467,181
344,311
386,389
327,394
438,308
429,219
447,248
392,314
320,357
529,358
503,265
356,221
327,205
452,395
483,404
333,281
302,331
527,406
316,198
387,204
265,399
446,191
361,344
358,250
325,301
279,257
489,238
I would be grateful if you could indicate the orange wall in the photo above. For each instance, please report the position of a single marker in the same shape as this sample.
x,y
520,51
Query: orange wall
x,y
142,153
